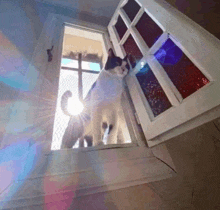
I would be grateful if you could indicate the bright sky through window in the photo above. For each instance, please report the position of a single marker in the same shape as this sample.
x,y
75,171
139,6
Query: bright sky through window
x,y
85,65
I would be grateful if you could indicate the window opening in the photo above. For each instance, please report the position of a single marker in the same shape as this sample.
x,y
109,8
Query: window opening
x,y
82,59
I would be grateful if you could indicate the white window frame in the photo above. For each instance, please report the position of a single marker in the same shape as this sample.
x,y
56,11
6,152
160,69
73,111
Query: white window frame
x,y
197,44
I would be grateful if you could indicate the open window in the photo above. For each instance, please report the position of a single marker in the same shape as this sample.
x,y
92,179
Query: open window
x,y
177,77
83,55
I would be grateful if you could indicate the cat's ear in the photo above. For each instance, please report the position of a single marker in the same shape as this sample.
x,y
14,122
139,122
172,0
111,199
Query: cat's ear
x,y
111,53
130,59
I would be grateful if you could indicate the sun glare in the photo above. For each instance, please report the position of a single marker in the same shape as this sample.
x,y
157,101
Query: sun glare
x,y
74,107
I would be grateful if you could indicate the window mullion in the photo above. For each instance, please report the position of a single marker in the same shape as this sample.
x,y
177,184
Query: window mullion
x,y
80,90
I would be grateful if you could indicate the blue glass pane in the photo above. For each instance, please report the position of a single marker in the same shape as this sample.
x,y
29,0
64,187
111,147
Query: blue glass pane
x,y
183,73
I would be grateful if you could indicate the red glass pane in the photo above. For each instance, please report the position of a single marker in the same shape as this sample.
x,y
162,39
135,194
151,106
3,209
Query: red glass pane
x,y
152,90
131,47
148,29
183,73
120,27
131,9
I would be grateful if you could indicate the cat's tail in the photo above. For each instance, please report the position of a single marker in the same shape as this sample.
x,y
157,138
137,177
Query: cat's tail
x,y
75,128
64,102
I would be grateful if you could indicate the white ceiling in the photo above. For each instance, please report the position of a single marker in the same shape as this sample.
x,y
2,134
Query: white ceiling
x,y
100,8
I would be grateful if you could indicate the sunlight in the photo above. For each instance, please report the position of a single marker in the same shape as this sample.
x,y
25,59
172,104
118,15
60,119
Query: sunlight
x,y
74,107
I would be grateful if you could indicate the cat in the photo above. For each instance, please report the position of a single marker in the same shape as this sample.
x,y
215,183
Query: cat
x,y
101,106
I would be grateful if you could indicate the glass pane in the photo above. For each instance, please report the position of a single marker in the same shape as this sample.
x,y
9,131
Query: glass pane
x,y
183,73
120,27
152,90
131,9
90,66
88,79
148,29
69,63
131,47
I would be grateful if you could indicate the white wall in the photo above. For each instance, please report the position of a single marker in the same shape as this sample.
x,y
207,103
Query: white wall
x,y
20,28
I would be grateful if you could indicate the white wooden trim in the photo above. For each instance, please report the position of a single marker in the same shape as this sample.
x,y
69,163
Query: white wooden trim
x,y
84,173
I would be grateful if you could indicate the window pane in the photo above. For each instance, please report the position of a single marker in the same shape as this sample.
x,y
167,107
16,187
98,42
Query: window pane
x,y
183,73
88,79
120,27
69,63
148,29
152,90
90,66
131,47
131,9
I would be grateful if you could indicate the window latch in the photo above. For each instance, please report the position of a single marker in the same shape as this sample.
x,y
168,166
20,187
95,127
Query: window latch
x,y
49,53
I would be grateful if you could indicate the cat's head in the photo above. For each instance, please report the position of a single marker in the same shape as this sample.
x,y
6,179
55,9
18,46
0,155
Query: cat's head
x,y
113,61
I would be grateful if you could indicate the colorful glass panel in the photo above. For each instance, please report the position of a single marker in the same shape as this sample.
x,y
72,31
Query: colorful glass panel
x,y
131,47
148,29
120,27
131,9
183,73
152,90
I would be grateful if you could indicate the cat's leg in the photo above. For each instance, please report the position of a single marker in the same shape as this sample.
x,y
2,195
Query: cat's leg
x,y
113,128
73,131
96,118
88,140
120,136
81,141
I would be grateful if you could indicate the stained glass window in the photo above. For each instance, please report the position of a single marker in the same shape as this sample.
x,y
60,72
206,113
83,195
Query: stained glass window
x,y
152,90
131,9
120,27
148,29
131,47
183,73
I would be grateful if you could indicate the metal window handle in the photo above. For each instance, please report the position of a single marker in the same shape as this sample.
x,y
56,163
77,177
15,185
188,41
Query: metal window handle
x,y
50,56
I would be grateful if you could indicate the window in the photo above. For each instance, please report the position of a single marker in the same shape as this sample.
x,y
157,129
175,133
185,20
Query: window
x,y
174,80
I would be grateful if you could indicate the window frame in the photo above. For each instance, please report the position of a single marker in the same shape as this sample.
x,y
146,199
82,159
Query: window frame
x,y
131,120
151,125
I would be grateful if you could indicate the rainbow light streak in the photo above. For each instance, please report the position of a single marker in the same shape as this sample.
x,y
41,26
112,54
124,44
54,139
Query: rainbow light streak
x,y
16,162
13,65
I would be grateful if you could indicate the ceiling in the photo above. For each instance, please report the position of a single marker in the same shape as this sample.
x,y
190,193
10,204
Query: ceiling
x,y
102,8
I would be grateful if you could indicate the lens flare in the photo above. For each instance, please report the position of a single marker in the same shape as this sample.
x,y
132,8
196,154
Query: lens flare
x,y
75,107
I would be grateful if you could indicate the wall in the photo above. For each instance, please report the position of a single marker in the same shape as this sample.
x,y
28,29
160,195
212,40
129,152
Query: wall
x,y
20,28
205,13
45,8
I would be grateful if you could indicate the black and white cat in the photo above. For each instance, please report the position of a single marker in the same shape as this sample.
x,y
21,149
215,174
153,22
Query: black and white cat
x,y
101,106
